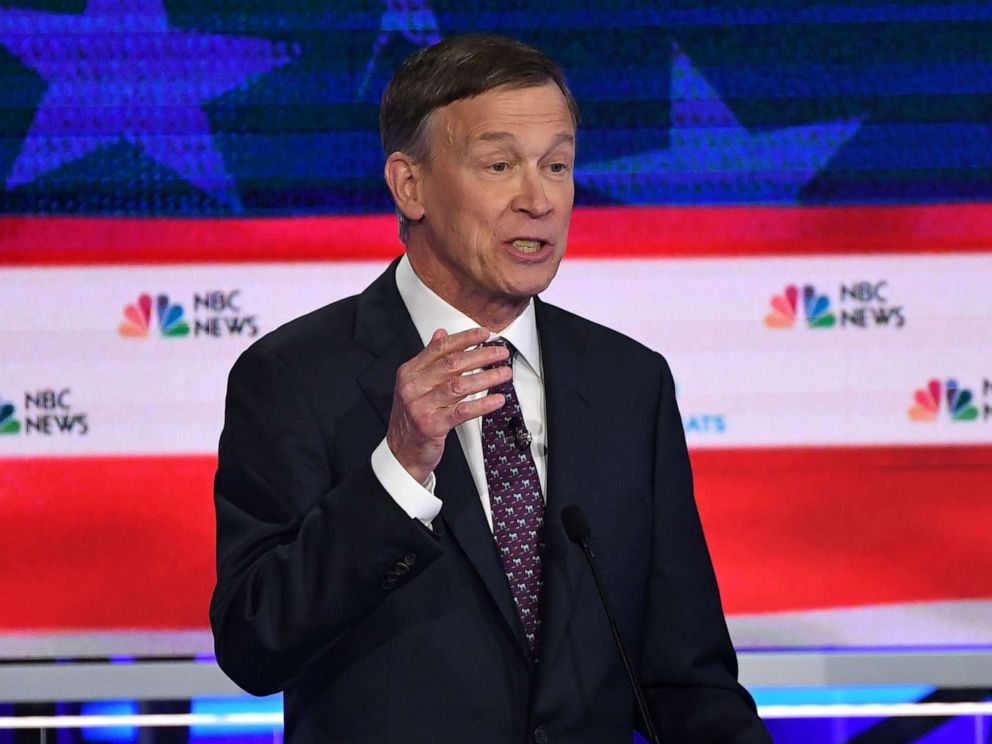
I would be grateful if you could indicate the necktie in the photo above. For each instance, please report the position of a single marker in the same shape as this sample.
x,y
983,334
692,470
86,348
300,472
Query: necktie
x,y
517,504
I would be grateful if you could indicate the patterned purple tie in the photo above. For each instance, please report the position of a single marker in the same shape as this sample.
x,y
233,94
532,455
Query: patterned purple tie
x,y
517,503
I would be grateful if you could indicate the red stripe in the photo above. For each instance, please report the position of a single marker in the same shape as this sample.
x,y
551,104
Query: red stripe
x,y
127,543
797,529
106,543
596,232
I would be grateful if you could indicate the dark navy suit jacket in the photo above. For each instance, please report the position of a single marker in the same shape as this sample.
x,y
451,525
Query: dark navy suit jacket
x,y
380,630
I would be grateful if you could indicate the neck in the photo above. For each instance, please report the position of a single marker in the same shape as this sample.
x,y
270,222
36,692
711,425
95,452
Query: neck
x,y
492,313
493,316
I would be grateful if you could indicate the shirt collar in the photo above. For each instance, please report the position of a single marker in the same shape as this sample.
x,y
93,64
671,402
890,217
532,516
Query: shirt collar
x,y
429,312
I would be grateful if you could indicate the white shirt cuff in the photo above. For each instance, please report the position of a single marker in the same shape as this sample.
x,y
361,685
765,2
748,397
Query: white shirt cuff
x,y
416,499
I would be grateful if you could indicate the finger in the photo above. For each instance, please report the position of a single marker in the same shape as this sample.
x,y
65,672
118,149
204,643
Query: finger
x,y
470,409
433,365
460,362
482,356
446,344
424,356
452,389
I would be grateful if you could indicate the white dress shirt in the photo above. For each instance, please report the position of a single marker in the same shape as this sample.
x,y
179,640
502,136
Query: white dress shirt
x,y
429,312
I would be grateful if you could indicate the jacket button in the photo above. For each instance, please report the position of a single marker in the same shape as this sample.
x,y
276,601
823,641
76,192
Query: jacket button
x,y
541,735
388,583
401,568
409,559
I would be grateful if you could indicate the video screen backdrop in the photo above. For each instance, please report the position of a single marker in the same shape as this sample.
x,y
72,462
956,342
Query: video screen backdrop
x,y
791,201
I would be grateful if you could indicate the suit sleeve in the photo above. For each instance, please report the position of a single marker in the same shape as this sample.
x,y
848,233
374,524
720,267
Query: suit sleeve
x,y
303,553
689,668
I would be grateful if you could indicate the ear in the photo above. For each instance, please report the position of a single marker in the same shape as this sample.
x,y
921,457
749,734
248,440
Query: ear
x,y
403,175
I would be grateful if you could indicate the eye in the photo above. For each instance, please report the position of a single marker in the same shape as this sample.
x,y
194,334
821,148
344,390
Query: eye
x,y
499,167
558,167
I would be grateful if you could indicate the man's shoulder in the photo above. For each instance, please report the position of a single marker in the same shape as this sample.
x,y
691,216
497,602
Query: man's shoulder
x,y
330,324
332,331
310,341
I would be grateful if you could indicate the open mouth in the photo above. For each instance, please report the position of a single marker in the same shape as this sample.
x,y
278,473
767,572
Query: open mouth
x,y
527,246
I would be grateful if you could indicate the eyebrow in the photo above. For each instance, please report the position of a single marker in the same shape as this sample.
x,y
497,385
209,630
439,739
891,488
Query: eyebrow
x,y
561,138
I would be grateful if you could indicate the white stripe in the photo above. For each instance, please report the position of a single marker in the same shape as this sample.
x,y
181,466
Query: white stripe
x,y
867,710
876,710
965,623
767,387
142,721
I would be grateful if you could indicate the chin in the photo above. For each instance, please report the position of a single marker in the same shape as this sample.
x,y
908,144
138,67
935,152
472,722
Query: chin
x,y
530,286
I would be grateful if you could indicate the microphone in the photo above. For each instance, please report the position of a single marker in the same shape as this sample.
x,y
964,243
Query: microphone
x,y
521,436
577,528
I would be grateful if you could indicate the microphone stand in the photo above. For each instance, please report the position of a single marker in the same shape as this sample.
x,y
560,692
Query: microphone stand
x,y
577,528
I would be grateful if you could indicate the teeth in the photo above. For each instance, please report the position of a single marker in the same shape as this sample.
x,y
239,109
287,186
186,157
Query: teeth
x,y
527,246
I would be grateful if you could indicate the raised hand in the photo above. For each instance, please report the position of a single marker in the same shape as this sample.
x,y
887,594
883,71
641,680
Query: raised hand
x,y
429,398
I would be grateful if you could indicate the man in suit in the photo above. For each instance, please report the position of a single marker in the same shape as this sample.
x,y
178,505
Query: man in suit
x,y
393,466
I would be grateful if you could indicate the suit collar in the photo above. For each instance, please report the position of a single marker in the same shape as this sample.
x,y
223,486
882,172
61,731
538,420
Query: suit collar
x,y
382,323
429,312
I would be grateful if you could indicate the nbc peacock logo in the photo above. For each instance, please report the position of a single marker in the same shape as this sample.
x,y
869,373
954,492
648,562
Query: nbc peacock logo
x,y
785,308
8,423
927,402
138,318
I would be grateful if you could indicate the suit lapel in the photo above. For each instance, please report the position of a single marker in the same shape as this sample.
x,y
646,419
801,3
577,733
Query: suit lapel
x,y
570,392
463,515
384,327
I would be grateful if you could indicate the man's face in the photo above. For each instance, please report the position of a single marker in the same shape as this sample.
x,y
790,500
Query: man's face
x,y
496,197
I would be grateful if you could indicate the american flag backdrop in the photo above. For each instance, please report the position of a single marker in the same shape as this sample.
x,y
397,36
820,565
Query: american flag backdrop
x,y
790,200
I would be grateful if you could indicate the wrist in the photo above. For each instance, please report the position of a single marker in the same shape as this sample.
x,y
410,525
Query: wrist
x,y
418,473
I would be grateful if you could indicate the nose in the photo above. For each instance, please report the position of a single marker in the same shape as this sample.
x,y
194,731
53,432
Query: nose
x,y
532,199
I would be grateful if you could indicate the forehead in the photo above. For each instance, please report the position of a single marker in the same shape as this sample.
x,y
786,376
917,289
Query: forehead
x,y
505,113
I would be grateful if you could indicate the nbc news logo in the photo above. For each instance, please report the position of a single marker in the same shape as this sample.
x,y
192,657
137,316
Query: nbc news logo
x,y
47,412
958,400
8,423
216,314
862,305
138,315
